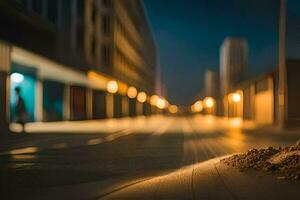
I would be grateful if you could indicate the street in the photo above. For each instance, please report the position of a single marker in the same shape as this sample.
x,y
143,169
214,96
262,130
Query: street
x,y
96,159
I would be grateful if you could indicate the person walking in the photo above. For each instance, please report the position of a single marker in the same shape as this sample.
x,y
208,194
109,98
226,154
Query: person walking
x,y
20,110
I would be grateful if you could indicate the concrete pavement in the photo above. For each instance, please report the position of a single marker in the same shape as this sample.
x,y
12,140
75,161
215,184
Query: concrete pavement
x,y
209,180
133,158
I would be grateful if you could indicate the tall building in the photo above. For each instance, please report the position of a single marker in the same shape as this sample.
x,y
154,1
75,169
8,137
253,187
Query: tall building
x,y
289,63
65,53
109,36
233,62
121,43
212,83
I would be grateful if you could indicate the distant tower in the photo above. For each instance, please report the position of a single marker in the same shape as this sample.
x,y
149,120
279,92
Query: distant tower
x,y
212,83
158,84
233,62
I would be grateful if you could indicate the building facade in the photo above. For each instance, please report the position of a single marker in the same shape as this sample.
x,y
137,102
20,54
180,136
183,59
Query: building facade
x,y
212,83
257,100
65,54
233,62
289,64
273,97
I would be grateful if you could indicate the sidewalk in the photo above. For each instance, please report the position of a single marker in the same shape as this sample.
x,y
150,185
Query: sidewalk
x,y
210,180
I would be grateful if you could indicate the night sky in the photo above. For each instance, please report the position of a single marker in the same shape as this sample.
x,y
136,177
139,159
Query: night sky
x,y
189,34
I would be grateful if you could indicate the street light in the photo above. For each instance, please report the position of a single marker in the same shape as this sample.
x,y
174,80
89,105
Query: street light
x,y
236,97
142,97
132,92
161,103
112,87
173,109
233,104
17,77
209,102
153,100
198,106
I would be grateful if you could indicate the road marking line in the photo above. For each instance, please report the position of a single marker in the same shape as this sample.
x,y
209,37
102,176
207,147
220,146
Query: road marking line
x,y
59,146
26,150
118,135
95,141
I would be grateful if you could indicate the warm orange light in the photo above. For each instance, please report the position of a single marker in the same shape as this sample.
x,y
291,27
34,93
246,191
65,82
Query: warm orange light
x,y
25,150
236,122
198,106
236,97
209,102
142,97
161,103
112,87
173,109
153,100
132,92
193,108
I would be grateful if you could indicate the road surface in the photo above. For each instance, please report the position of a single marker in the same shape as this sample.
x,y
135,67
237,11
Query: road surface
x,y
163,156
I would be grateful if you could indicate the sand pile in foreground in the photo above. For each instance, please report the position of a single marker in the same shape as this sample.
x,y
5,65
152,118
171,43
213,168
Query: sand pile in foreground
x,y
283,162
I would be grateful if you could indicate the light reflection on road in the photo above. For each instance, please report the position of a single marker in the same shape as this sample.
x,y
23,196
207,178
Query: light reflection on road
x,y
25,150
131,148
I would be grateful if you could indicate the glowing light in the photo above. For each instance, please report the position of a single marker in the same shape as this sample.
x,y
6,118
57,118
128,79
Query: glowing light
x,y
209,102
236,97
153,100
193,108
95,141
17,77
112,87
132,92
173,109
142,97
236,122
161,103
25,150
198,106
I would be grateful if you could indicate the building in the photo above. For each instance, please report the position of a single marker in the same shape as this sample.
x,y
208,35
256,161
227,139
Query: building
x,y
233,62
212,89
255,99
273,97
289,64
212,83
65,54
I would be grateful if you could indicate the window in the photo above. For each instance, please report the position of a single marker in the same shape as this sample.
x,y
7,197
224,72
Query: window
x,y
94,46
105,55
105,21
52,11
23,2
106,2
94,14
37,6
80,7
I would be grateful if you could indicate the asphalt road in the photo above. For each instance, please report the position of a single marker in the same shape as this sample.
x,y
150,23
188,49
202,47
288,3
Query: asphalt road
x,y
100,159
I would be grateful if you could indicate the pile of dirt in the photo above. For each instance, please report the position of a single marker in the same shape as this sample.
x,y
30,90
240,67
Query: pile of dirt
x,y
283,162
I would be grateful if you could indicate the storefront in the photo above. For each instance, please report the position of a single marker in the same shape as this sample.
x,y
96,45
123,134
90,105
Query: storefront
x,y
53,100
24,78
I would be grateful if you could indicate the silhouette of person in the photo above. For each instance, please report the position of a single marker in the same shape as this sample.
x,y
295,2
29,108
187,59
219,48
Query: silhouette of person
x,y
20,110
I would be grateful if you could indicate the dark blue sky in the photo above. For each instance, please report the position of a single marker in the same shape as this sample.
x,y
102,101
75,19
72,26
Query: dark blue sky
x,y
189,34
